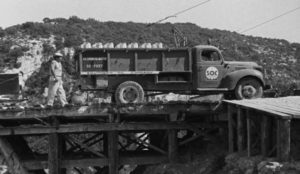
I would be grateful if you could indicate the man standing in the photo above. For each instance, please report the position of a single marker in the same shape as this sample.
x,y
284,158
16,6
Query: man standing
x,y
55,82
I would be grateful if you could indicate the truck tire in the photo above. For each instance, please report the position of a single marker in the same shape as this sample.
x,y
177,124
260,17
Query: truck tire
x,y
129,92
248,88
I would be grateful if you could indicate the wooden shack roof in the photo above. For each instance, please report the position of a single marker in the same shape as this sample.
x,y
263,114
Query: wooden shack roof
x,y
284,107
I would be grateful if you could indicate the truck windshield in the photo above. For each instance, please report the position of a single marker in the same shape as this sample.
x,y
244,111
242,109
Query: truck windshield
x,y
210,55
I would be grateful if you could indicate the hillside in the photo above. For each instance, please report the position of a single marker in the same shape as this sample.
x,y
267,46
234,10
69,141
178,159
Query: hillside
x,y
27,44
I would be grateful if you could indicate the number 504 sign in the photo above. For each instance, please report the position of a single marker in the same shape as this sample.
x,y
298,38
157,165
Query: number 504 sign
x,y
212,73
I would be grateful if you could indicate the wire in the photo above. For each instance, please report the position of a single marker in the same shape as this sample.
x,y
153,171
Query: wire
x,y
183,11
267,21
178,13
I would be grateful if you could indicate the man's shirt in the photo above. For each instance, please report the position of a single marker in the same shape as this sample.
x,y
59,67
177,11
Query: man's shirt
x,y
56,68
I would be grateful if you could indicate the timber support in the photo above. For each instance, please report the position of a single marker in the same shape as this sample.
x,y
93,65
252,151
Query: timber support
x,y
106,137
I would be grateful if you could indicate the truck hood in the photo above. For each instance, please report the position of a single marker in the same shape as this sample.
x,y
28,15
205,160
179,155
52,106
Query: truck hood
x,y
235,65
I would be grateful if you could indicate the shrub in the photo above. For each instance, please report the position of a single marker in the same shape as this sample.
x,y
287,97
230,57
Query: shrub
x,y
16,52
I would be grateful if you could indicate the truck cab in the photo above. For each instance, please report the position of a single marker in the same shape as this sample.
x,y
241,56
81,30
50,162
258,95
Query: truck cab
x,y
244,79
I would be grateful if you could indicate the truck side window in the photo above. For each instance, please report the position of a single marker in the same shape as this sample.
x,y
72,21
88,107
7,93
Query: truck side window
x,y
210,55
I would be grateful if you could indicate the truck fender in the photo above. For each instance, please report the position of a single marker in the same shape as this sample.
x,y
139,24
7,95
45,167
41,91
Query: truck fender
x,y
231,79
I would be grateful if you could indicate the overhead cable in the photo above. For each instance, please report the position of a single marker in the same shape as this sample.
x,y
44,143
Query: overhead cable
x,y
178,13
267,21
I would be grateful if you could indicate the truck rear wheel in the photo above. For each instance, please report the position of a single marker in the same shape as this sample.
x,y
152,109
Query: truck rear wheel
x,y
129,92
248,88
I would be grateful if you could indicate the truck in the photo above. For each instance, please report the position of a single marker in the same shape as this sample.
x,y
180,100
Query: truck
x,y
131,73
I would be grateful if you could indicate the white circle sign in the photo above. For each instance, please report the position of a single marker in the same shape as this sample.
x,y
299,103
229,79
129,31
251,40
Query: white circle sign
x,y
211,73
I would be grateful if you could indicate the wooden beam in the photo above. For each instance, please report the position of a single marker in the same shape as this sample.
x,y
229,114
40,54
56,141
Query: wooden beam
x,y
230,128
84,146
249,131
172,146
98,127
105,109
35,164
54,154
113,153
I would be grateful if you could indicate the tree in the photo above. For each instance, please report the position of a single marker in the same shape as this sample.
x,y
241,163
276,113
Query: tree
x,y
2,32
46,20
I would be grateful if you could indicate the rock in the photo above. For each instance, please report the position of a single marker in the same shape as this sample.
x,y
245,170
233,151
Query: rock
x,y
79,98
266,167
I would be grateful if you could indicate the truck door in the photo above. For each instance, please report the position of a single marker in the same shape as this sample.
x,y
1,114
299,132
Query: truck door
x,y
210,68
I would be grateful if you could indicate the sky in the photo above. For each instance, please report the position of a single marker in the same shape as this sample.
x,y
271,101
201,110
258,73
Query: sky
x,y
232,15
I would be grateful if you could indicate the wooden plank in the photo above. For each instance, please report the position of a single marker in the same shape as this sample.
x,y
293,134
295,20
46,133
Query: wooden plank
x,y
284,141
172,146
230,128
276,108
97,127
249,131
240,130
293,108
259,108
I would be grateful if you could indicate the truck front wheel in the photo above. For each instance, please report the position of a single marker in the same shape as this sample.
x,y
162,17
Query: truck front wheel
x,y
248,88
129,92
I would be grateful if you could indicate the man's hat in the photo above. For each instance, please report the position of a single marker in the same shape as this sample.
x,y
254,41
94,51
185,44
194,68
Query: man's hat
x,y
57,54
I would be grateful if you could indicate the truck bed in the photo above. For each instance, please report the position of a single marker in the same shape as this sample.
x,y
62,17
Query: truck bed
x,y
133,61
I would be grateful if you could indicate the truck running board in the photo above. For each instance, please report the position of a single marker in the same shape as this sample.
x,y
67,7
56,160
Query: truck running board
x,y
212,89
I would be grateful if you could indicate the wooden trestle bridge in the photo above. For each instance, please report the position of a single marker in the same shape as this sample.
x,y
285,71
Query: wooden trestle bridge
x,y
108,136
104,136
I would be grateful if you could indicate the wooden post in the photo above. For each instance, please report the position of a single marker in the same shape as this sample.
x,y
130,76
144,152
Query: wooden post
x,y
11,158
173,146
54,154
283,139
265,135
55,151
113,153
240,130
230,129
278,138
248,132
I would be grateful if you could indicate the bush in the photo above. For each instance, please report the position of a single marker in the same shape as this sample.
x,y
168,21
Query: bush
x,y
16,52
48,49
